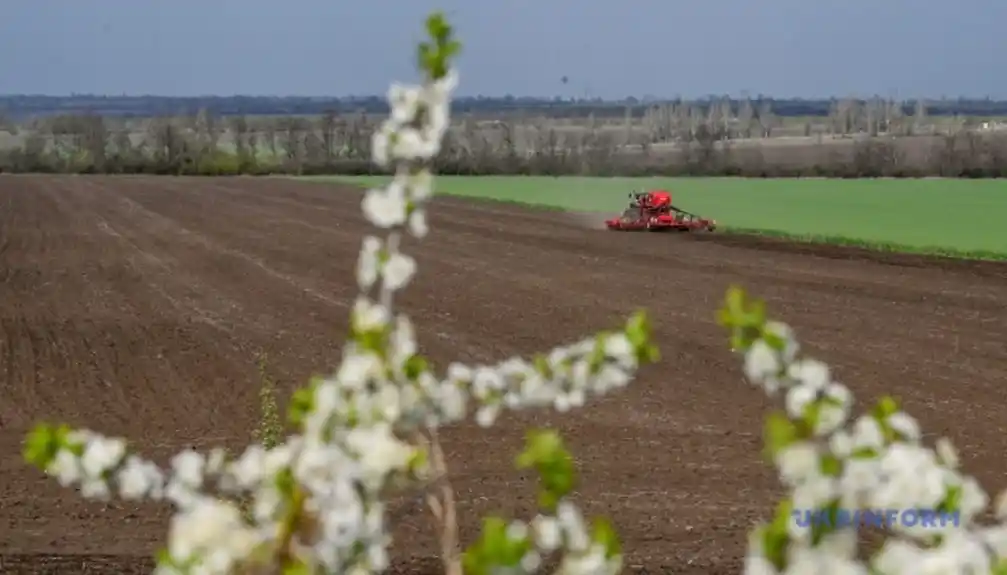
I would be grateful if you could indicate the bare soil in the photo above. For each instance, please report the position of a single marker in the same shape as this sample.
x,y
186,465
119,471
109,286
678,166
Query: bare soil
x,y
137,306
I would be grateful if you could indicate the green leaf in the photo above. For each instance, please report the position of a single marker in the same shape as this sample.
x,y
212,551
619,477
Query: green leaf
x,y
373,340
540,446
286,484
494,536
302,402
420,460
779,432
544,451
863,453
639,332
733,308
605,535
415,366
886,406
597,357
831,466
774,341
819,529
810,414
438,27
493,549
163,557
434,56
297,567
541,365
775,536
744,319
952,500
44,442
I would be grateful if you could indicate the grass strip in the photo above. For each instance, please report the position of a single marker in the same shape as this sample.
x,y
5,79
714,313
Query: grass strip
x,y
796,237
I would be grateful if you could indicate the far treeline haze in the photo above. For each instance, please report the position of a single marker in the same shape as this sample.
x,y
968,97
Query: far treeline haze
x,y
21,106
714,136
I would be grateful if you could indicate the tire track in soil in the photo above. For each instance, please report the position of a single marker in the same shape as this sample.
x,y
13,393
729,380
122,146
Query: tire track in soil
x,y
673,460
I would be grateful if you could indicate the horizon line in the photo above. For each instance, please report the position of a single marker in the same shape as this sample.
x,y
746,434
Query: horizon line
x,y
561,98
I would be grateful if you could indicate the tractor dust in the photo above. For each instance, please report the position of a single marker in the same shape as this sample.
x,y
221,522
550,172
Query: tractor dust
x,y
586,220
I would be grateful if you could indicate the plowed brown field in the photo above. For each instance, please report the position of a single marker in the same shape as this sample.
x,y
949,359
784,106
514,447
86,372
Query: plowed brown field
x,y
137,306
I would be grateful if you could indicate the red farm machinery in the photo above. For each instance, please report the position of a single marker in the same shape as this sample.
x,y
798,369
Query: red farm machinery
x,y
653,211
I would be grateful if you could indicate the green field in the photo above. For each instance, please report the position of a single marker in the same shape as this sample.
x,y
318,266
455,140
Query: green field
x,y
965,218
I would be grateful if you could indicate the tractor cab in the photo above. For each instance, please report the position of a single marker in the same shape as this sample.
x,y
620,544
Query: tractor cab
x,y
635,198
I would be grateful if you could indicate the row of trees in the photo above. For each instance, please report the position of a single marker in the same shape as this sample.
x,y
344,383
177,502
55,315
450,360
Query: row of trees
x,y
746,119
859,140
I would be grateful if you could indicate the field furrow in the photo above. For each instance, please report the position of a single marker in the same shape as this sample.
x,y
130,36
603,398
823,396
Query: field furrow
x,y
139,306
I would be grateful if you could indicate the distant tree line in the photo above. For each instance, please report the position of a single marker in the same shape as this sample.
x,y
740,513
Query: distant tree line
x,y
26,106
873,139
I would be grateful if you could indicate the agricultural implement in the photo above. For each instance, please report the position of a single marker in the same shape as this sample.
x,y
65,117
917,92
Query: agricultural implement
x,y
653,211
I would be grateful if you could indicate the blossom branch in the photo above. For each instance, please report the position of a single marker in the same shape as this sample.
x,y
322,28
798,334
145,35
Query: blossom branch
x,y
831,463
317,498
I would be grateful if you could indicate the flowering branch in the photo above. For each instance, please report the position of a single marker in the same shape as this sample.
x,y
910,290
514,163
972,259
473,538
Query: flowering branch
x,y
832,465
315,501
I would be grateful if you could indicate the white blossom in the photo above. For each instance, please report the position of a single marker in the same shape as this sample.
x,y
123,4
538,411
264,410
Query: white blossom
x,y
946,453
213,528
418,224
369,264
590,562
380,144
379,452
875,472
867,434
841,444
517,531
487,415
784,333
368,315
422,186
840,543
798,462
102,454
833,409
398,270
138,478
572,524
761,362
95,488
799,398
830,418
531,561
548,532
811,373
187,467
756,565
857,481
66,468
973,498
404,102
903,424
386,208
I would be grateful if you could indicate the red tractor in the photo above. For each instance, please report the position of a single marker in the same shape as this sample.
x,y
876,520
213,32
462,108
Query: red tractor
x,y
653,211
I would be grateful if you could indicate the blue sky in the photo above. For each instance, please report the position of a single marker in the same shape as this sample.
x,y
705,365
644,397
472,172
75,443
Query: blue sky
x,y
606,48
